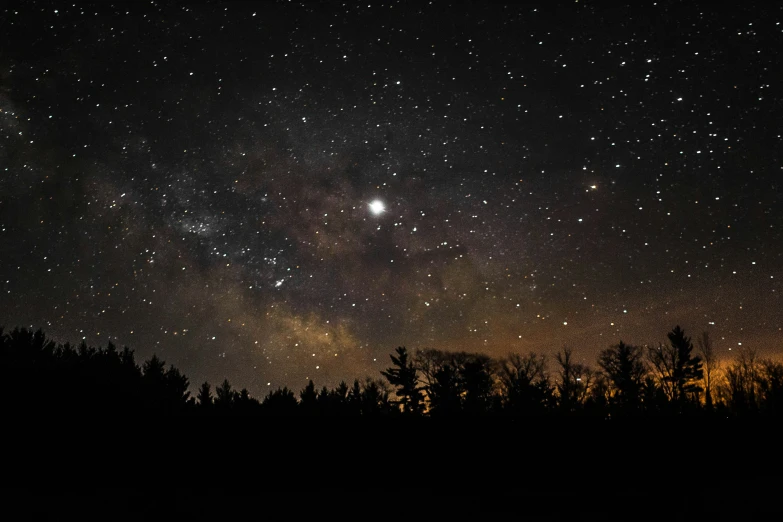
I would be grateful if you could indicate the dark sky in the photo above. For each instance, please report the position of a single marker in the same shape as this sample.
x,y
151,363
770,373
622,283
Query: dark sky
x,y
197,180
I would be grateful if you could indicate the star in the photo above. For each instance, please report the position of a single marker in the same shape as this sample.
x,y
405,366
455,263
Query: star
x,y
376,207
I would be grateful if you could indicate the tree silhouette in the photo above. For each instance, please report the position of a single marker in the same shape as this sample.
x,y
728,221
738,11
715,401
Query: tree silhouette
x,y
224,399
599,396
677,371
710,366
280,402
337,400
752,386
445,392
688,370
478,383
355,398
525,384
771,387
574,383
204,396
741,392
374,399
623,366
85,379
153,369
308,399
163,390
458,382
244,404
403,376
46,377
176,385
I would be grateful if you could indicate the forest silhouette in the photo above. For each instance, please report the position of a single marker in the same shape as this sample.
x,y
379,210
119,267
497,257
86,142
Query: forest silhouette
x,y
673,379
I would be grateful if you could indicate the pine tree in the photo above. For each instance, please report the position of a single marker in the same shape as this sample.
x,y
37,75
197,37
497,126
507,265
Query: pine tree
x,y
205,395
225,396
308,399
404,377
687,370
624,367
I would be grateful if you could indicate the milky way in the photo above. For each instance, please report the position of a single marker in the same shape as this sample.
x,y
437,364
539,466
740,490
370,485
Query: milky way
x,y
277,192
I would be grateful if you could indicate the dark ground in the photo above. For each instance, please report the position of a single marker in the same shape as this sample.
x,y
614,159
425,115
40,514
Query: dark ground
x,y
316,470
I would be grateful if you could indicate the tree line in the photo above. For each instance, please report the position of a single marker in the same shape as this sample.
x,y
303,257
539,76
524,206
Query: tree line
x,y
674,378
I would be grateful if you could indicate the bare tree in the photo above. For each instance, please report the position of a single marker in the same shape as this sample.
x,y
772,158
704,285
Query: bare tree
x,y
526,369
741,392
525,384
662,359
457,381
710,365
574,383
440,378
771,387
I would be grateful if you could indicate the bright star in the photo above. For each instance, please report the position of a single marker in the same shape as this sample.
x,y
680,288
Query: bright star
x,y
376,207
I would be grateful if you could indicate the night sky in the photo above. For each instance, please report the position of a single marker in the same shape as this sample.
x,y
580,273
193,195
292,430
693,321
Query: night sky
x,y
276,192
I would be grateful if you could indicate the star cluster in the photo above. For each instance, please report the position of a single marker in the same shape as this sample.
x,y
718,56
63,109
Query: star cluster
x,y
278,192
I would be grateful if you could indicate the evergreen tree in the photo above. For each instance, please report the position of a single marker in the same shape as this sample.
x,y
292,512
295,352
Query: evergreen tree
x,y
403,376
176,387
153,369
224,399
623,366
677,371
153,378
339,399
354,398
688,370
308,399
280,402
204,396
374,399
244,404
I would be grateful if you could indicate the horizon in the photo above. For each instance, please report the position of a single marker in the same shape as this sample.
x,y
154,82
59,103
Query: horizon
x,y
721,361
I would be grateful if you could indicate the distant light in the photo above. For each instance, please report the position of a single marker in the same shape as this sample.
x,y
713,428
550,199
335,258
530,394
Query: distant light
x,y
377,207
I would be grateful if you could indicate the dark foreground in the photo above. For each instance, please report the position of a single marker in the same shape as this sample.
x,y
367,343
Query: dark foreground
x,y
221,469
